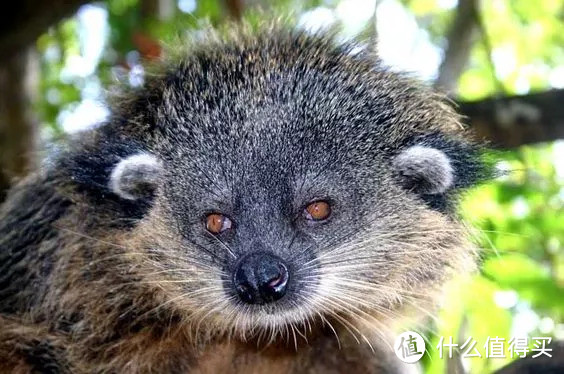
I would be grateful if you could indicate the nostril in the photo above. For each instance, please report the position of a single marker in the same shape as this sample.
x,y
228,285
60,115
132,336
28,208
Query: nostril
x,y
276,281
280,279
245,293
274,287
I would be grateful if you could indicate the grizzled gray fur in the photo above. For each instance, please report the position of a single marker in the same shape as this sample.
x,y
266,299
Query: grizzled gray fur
x,y
267,200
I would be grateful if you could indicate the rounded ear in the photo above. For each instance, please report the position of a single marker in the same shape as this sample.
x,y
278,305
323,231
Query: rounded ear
x,y
424,169
135,177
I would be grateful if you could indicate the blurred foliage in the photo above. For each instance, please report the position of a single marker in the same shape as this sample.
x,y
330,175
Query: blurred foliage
x,y
520,228
519,217
526,38
58,92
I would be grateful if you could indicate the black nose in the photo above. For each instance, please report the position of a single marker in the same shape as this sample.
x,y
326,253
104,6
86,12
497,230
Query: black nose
x,y
260,278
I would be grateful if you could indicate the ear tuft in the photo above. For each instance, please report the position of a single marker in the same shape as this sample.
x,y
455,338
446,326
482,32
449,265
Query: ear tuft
x,y
136,176
425,169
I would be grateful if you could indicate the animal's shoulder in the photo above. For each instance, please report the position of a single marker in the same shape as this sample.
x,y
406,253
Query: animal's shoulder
x,y
26,225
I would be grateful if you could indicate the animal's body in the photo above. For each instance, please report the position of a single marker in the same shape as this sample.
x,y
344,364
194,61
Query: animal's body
x,y
259,191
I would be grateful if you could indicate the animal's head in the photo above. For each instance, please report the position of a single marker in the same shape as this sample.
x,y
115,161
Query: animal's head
x,y
280,179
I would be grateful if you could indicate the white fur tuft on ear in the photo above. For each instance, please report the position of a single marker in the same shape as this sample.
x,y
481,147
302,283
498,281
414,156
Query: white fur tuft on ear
x,y
425,169
136,176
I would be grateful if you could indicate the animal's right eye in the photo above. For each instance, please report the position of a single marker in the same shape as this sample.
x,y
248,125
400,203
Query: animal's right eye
x,y
217,223
317,211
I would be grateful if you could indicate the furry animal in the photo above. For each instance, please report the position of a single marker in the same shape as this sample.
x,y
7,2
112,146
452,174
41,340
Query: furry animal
x,y
269,201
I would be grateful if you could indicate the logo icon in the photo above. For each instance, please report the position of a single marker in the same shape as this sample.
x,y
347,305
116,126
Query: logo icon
x,y
409,347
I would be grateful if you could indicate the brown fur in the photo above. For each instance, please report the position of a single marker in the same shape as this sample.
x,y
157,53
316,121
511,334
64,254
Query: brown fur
x,y
118,311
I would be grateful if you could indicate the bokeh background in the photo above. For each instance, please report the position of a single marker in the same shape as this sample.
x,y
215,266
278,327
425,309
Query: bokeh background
x,y
501,62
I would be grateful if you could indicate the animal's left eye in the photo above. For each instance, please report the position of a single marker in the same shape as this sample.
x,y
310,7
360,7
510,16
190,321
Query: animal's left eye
x,y
217,223
317,211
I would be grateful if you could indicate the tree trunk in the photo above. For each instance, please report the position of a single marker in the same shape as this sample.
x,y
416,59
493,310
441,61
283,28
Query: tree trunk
x,y
21,22
460,39
18,127
235,9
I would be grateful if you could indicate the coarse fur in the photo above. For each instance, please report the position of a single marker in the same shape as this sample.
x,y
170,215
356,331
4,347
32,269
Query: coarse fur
x,y
105,262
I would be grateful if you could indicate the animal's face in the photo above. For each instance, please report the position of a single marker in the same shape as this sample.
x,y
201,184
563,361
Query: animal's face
x,y
284,193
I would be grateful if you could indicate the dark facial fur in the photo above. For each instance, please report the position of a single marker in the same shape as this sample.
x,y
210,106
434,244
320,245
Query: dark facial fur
x,y
256,128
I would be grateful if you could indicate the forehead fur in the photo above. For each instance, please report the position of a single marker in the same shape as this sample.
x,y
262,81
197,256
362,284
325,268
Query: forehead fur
x,y
271,85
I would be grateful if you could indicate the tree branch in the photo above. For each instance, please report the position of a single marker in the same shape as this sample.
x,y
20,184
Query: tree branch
x,y
540,365
512,121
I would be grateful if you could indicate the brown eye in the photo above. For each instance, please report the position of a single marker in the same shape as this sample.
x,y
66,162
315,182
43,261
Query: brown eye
x,y
217,223
318,211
